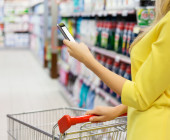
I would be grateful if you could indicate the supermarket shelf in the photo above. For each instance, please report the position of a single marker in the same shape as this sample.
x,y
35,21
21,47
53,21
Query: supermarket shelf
x,y
36,3
110,54
14,22
16,3
16,31
19,15
108,98
37,14
21,31
115,12
67,95
15,48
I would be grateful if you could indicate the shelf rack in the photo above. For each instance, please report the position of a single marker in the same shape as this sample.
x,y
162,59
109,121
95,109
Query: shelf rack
x,y
114,12
67,95
108,53
108,98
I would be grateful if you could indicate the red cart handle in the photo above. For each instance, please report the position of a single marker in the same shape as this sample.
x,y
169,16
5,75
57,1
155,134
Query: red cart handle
x,y
80,119
66,121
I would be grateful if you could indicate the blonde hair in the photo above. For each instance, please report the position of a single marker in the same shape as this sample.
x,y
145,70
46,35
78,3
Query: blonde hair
x,y
162,7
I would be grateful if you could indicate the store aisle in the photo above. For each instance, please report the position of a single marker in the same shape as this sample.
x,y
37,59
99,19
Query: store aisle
x,y
25,86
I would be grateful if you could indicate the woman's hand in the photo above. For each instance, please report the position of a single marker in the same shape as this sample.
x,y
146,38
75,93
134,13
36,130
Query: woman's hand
x,y
106,113
79,51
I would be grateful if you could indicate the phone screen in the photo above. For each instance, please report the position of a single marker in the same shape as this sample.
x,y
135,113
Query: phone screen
x,y
68,34
65,32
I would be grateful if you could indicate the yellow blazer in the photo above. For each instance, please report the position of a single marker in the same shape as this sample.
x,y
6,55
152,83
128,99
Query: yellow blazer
x,y
148,94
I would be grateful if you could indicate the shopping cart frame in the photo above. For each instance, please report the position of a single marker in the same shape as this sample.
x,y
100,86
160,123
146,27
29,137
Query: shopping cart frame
x,y
12,117
16,124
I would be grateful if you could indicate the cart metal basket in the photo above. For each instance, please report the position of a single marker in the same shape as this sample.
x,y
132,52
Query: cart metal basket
x,y
42,125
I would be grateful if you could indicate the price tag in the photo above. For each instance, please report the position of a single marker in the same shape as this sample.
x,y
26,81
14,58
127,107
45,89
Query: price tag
x,y
105,13
107,98
124,13
100,13
92,87
97,90
117,58
114,13
136,30
93,13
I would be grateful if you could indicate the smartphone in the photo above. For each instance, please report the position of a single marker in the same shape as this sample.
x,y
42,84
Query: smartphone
x,y
63,29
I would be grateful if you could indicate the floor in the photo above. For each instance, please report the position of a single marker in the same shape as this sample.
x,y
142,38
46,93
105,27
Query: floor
x,y
25,86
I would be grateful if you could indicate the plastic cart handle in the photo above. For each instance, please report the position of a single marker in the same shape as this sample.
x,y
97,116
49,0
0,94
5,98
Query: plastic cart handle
x,y
66,121
80,119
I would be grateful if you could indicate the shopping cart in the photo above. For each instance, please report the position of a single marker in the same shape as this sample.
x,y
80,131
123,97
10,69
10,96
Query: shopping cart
x,y
42,125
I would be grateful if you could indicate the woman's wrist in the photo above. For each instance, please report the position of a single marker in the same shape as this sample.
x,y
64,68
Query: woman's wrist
x,y
121,109
89,61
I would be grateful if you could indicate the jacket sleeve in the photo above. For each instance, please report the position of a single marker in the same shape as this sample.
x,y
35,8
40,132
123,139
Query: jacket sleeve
x,y
153,77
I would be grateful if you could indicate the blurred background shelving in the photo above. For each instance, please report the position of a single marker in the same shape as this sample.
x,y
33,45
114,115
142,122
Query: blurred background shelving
x,y
1,23
16,25
108,27
36,28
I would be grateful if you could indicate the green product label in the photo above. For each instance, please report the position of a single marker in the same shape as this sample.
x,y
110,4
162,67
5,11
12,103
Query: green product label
x,y
143,16
117,42
104,40
96,40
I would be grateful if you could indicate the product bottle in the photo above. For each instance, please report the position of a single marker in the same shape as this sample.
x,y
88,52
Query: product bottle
x,y
111,39
125,34
76,90
98,57
132,38
116,66
104,35
115,69
119,37
98,34
83,95
127,75
103,62
129,37
90,99
122,69
122,73
109,64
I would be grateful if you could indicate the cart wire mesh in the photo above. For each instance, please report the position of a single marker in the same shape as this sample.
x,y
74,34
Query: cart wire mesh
x,y
39,125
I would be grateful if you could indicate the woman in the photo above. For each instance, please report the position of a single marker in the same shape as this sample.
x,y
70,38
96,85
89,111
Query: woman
x,y
147,96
